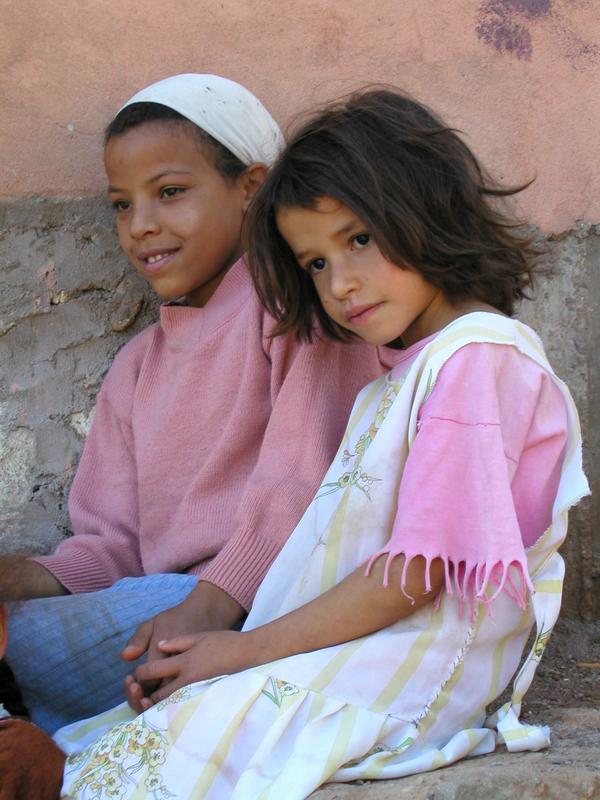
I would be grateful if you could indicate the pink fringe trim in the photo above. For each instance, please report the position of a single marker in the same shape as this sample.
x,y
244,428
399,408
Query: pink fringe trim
x,y
468,580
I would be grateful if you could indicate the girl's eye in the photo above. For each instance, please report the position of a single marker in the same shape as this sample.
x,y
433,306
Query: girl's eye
x,y
170,191
120,205
316,266
362,240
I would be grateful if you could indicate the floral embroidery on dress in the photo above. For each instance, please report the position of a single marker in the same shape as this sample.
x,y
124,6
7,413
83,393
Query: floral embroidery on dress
x,y
279,691
356,476
113,764
541,640
180,694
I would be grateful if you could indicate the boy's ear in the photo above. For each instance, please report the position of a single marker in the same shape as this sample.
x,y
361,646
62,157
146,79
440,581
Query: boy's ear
x,y
252,178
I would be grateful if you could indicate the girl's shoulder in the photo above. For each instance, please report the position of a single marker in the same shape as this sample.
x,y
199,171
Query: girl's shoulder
x,y
480,344
495,383
490,328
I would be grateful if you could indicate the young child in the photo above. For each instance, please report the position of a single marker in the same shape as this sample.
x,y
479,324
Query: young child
x,y
398,609
210,437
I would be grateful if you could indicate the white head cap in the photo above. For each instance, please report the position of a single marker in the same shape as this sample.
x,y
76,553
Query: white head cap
x,y
224,109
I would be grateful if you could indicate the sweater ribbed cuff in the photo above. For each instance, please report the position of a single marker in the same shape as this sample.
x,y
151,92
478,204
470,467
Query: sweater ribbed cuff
x,y
77,571
239,570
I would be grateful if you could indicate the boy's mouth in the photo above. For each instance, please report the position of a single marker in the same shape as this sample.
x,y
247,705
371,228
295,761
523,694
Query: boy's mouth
x,y
156,259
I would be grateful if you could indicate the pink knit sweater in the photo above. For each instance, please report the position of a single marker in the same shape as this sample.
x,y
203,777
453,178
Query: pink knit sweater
x,y
208,443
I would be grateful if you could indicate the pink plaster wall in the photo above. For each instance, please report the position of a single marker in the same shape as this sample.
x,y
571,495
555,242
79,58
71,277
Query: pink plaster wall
x,y
520,77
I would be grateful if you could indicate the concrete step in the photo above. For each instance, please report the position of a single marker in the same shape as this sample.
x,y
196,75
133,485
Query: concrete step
x,y
569,770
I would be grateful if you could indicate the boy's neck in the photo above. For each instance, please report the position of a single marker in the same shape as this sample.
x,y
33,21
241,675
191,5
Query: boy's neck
x,y
200,296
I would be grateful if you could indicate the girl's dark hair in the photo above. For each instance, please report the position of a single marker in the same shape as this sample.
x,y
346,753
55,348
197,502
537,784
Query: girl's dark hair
x,y
417,187
228,165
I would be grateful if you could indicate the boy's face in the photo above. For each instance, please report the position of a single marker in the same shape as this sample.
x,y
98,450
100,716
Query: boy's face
x,y
178,219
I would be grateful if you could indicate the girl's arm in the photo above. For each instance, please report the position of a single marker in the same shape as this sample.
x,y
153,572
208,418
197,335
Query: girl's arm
x,y
355,607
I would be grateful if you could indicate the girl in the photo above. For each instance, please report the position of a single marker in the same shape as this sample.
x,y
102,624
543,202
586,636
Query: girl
x,y
399,607
184,484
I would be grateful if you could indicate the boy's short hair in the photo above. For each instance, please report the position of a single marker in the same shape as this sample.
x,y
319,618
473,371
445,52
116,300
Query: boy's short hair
x,y
417,187
225,162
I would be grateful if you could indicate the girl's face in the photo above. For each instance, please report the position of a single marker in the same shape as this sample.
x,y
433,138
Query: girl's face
x,y
178,219
358,287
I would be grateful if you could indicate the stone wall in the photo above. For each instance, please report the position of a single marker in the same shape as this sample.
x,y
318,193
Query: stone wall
x,y
566,314
68,301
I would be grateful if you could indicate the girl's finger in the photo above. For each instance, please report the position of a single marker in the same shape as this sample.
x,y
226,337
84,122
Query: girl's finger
x,y
157,670
146,703
178,644
134,694
166,690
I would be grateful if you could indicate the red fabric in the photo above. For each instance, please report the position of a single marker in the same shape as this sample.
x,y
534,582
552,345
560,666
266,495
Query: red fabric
x,y
31,765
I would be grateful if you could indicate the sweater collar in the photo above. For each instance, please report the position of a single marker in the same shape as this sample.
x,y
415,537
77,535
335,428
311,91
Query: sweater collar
x,y
184,325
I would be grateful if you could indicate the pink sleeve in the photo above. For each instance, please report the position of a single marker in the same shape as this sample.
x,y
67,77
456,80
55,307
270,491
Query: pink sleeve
x,y
312,391
464,496
103,501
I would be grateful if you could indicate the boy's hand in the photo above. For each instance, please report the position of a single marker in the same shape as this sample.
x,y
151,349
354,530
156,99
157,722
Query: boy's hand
x,y
206,608
22,579
31,765
196,657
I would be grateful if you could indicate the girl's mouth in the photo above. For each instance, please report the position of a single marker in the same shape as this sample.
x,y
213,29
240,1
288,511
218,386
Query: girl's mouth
x,y
361,314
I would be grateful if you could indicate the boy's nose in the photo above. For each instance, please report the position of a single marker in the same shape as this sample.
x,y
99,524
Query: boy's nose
x,y
143,221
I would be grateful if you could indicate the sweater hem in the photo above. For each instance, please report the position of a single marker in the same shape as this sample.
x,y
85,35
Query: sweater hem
x,y
229,570
77,572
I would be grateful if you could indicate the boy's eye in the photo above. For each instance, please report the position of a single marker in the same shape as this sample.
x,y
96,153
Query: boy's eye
x,y
170,191
120,205
316,266
362,240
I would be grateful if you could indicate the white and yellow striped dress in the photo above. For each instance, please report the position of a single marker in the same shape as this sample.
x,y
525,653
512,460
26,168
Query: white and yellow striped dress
x,y
410,698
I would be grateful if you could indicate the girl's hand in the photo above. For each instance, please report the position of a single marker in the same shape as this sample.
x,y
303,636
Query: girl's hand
x,y
196,657
355,607
206,608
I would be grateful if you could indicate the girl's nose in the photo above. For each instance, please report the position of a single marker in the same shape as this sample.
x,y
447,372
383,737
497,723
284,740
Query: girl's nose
x,y
143,221
343,279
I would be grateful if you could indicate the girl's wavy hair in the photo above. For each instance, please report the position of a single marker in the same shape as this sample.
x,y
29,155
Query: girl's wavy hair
x,y
418,189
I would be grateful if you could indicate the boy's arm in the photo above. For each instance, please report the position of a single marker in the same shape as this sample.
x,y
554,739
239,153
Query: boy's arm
x,y
313,387
22,579
103,508
312,391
